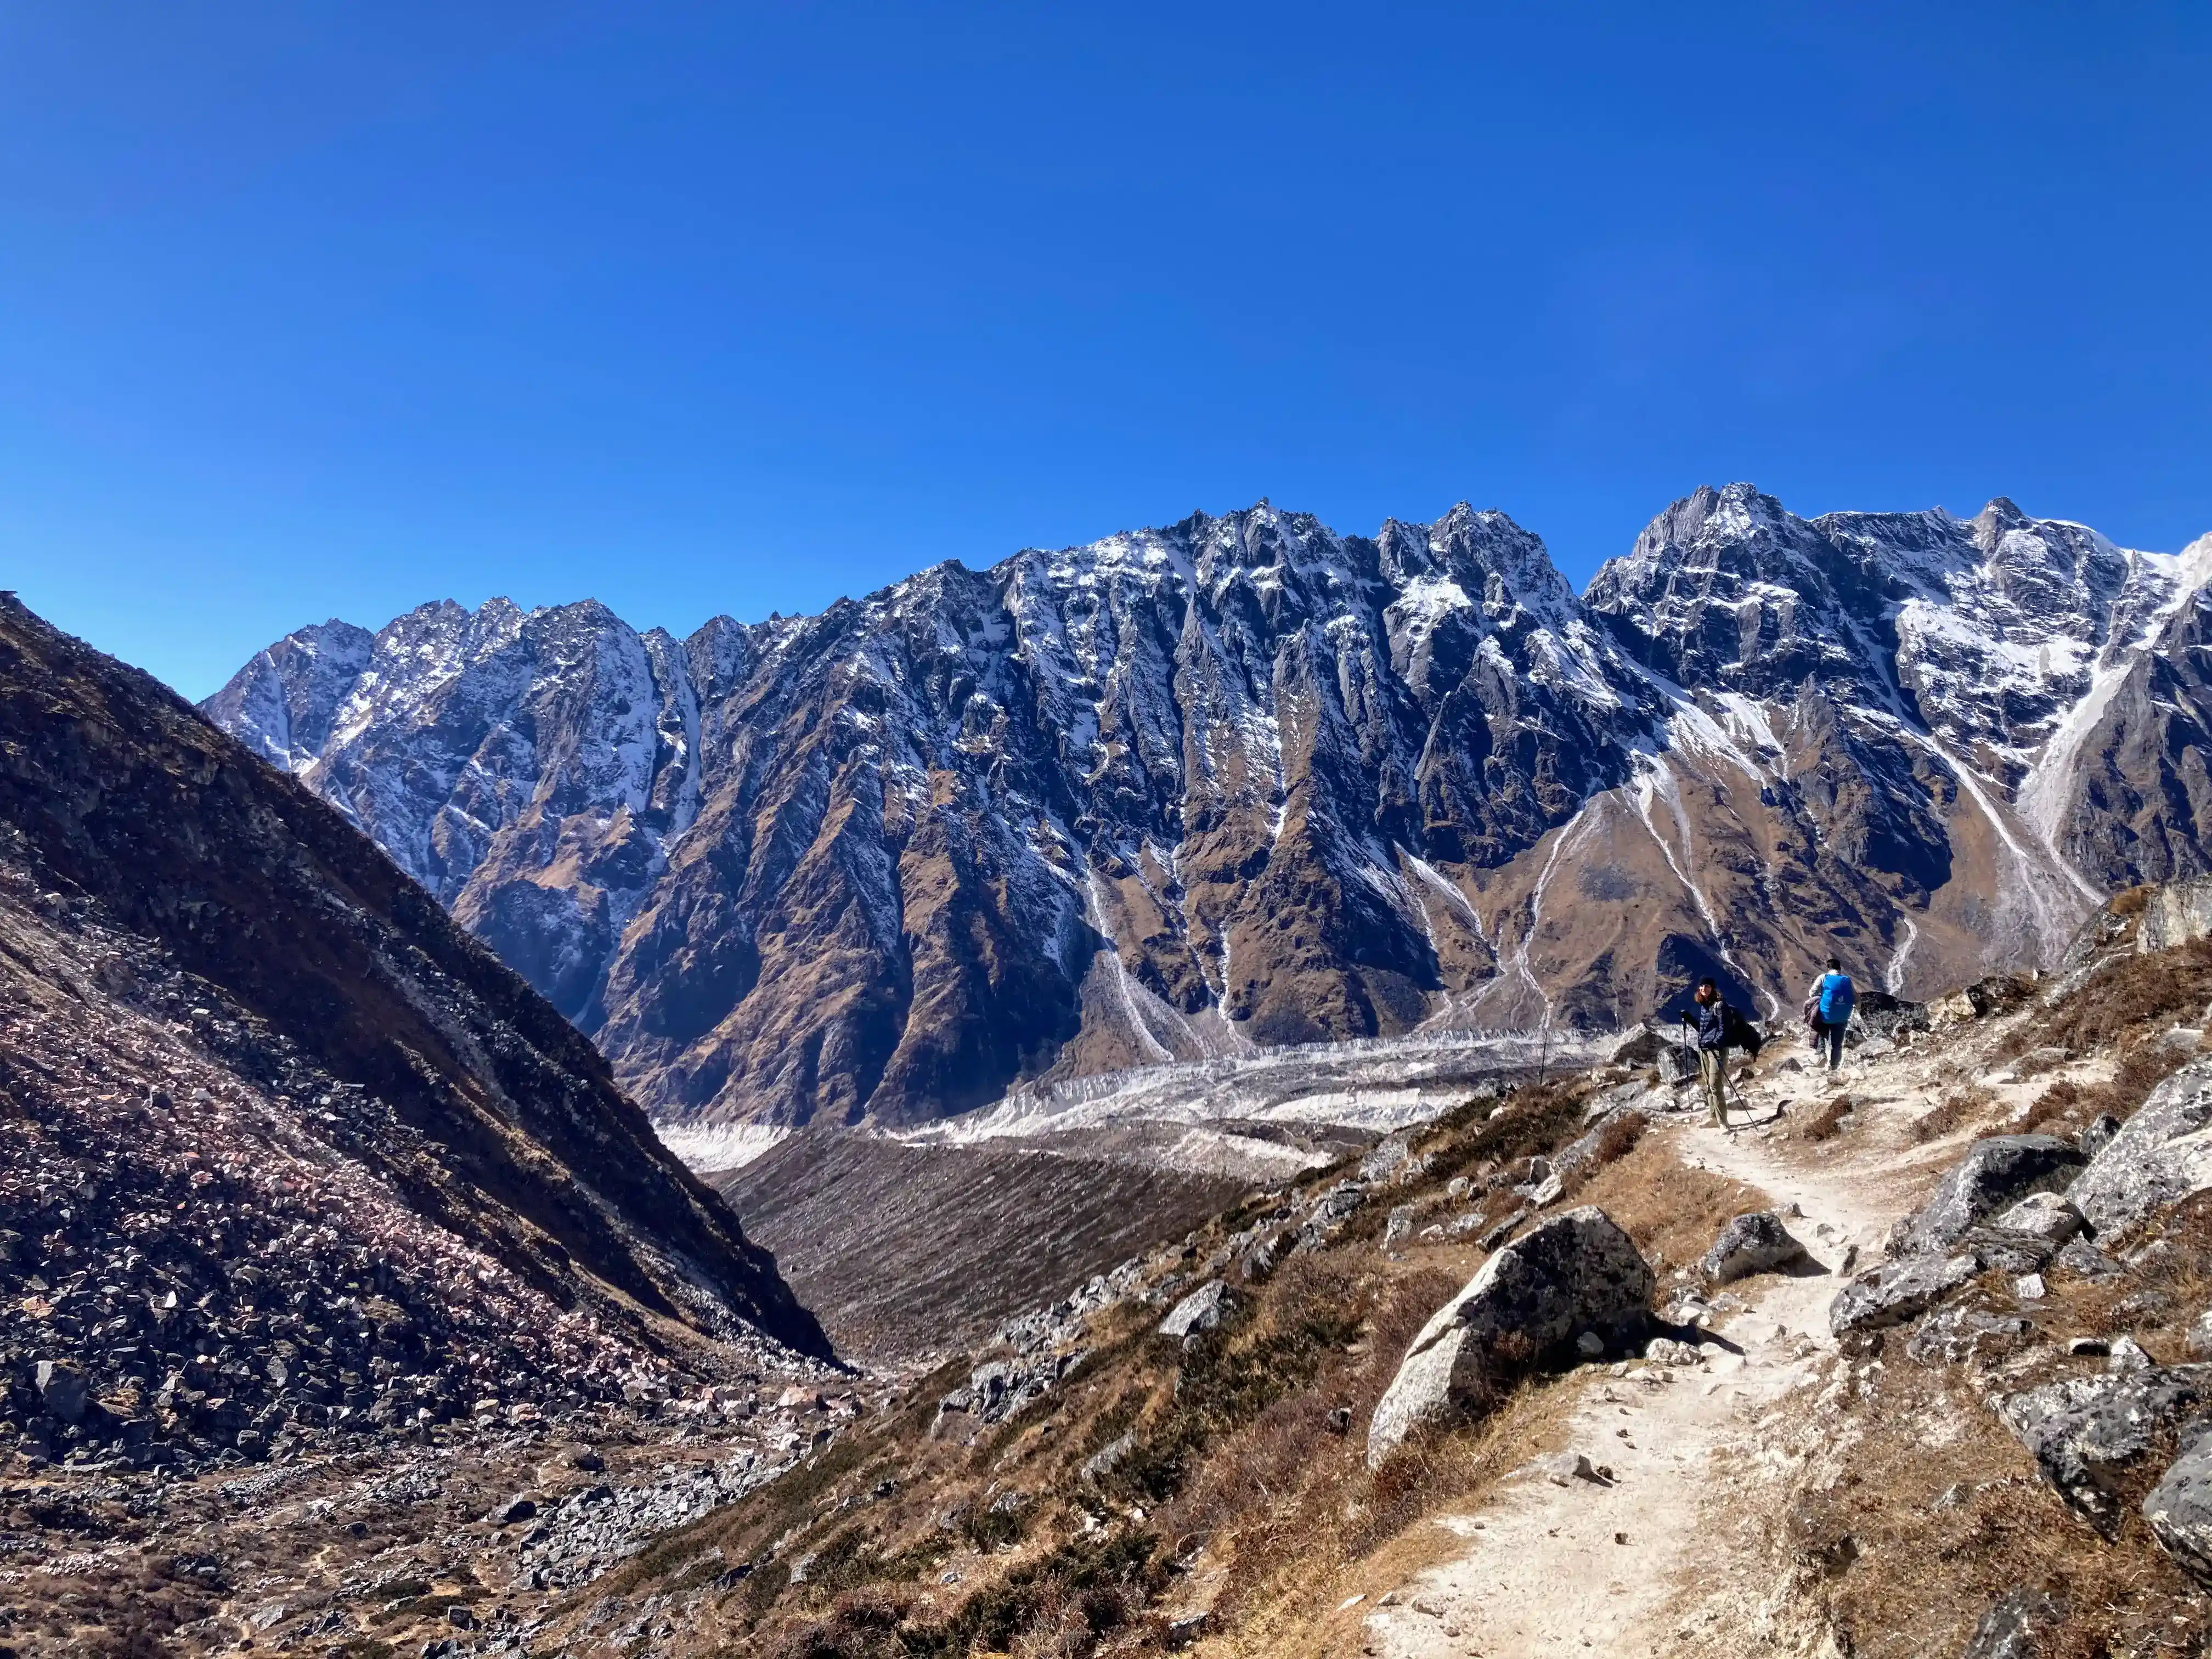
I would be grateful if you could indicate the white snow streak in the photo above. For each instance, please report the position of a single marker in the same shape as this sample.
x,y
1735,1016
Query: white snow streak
x,y
1893,979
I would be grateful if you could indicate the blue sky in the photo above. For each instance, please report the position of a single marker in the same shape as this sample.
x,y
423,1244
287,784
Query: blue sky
x,y
314,308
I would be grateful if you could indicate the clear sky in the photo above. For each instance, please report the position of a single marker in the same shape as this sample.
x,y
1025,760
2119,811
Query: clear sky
x,y
311,307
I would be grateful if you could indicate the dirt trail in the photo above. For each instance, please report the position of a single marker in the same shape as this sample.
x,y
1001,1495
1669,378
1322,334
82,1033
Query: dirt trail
x,y
1591,1568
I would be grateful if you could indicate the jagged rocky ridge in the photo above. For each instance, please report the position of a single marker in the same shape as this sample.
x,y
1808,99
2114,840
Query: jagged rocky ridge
x,y
1243,780
291,1155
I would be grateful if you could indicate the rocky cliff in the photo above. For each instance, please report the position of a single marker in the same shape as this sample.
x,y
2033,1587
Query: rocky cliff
x,y
1246,781
289,1153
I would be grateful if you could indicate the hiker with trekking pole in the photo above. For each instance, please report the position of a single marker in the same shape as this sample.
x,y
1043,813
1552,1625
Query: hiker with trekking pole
x,y
1720,1027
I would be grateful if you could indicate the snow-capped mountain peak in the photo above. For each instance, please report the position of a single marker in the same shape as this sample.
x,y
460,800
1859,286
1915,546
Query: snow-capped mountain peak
x,y
1242,779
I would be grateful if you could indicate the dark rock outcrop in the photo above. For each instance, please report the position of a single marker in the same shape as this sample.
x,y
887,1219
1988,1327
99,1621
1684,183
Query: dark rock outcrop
x,y
2018,1625
1203,1309
1994,1173
1898,1291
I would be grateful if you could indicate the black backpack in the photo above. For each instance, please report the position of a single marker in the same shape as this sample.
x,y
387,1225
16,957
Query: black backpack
x,y
1740,1033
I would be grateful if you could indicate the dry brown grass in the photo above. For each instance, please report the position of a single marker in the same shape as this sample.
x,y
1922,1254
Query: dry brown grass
x,y
1672,1213
1330,1530
1538,1118
1938,1511
2054,1107
2127,997
1826,1123
2067,1106
1953,1112
2169,1285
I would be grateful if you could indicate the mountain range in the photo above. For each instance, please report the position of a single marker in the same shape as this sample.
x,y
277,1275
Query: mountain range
x,y
1244,782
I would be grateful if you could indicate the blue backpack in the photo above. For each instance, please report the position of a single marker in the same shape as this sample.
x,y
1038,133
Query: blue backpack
x,y
1837,995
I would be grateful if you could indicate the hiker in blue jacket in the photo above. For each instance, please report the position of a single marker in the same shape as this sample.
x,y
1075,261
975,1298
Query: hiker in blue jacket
x,y
1828,1011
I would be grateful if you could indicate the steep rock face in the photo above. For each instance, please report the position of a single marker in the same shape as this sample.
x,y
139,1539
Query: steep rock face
x,y
344,1021
1243,780
1948,692
872,860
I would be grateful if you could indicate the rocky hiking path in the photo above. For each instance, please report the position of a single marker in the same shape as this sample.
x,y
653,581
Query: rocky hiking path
x,y
1557,1563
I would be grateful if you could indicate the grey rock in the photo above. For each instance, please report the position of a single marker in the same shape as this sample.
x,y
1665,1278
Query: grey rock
x,y
1257,1262
1109,1458
2090,1434
1389,1157
1994,1171
1677,1063
1330,1212
1565,1468
1496,1237
64,1389
1398,1229
1898,1291
2014,1626
2178,912
1962,1335
1203,1309
2085,1261
1756,1242
2199,1340
2045,1216
2179,1509
2158,1157
2011,1253
2127,1355
2097,1134
1640,1047
514,1509
1573,1273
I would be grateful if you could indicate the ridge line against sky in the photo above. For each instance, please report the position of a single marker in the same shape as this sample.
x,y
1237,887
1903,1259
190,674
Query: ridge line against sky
x,y
309,311
648,625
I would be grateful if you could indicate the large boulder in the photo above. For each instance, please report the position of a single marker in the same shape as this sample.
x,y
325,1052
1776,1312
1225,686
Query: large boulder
x,y
1753,1244
1638,1046
1203,1309
1898,1291
1994,1173
2179,1509
2157,1156
1574,1272
2091,1435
